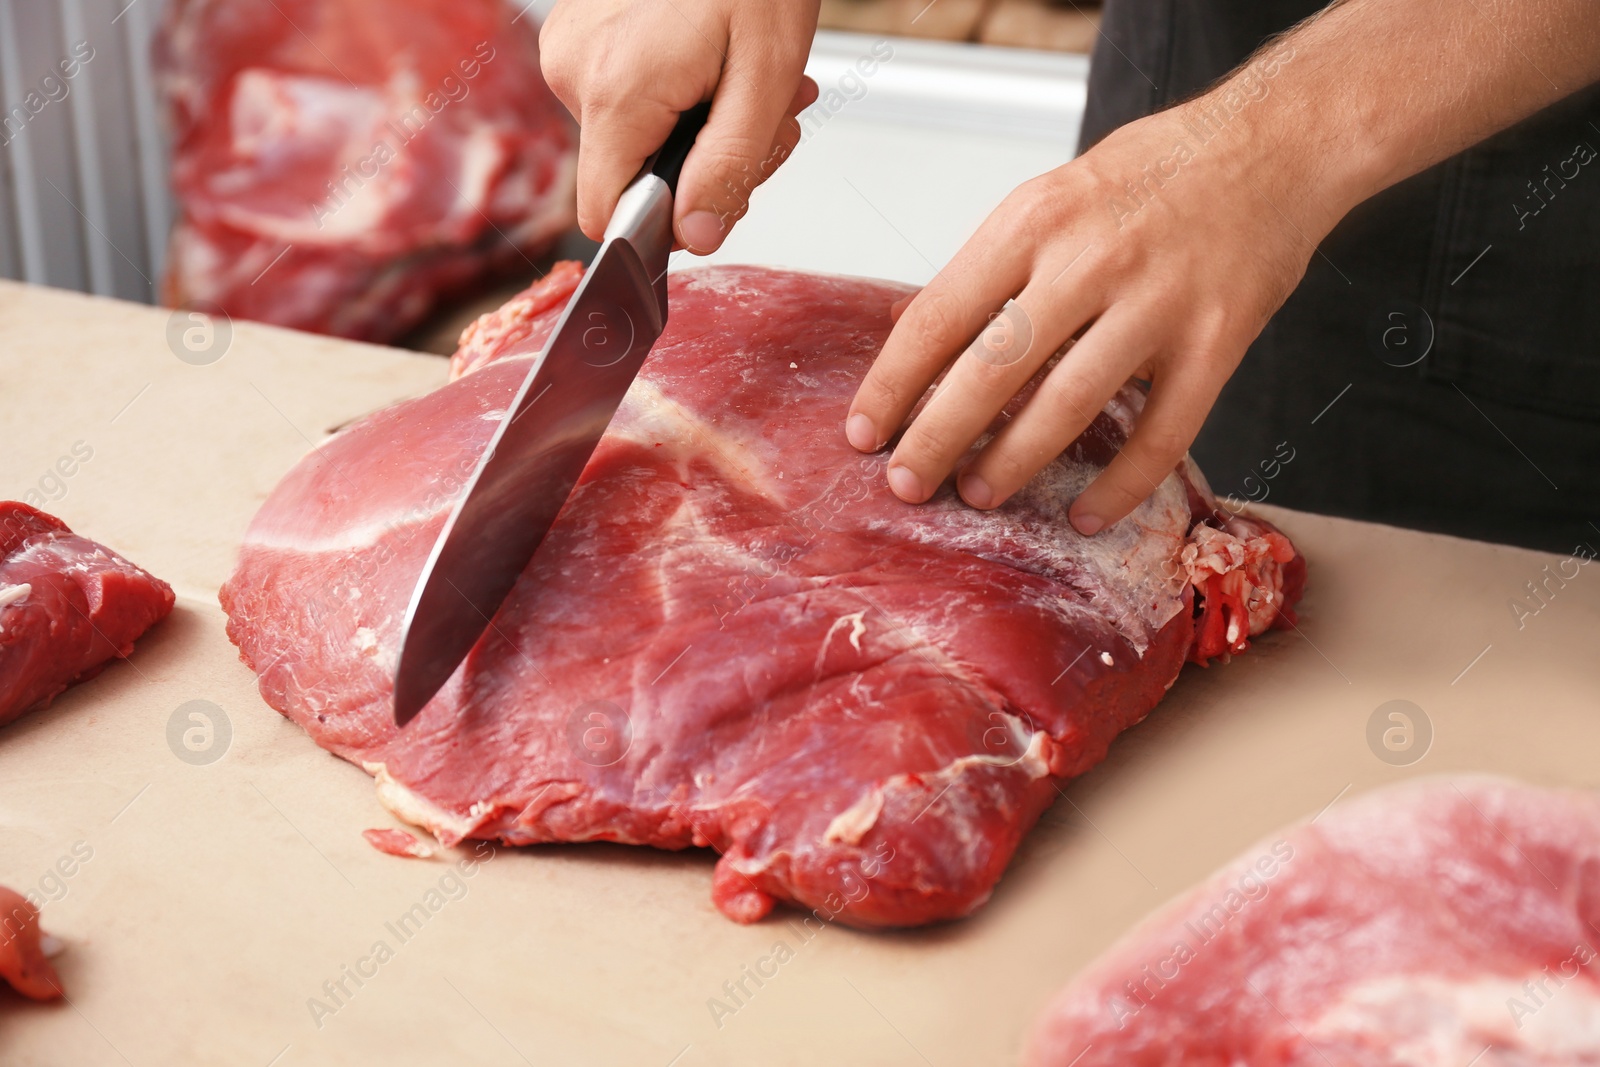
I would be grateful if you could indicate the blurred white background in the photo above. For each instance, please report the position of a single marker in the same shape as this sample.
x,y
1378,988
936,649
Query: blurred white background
x,y
898,168
894,181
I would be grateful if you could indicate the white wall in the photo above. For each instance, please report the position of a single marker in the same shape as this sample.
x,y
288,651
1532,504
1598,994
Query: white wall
x,y
893,181
83,196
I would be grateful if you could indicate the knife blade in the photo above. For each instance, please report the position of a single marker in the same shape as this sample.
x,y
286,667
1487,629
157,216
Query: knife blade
x,y
549,431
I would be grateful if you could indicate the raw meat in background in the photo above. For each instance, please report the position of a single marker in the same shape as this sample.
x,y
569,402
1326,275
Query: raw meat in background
x,y
735,636
1431,923
23,960
342,166
67,607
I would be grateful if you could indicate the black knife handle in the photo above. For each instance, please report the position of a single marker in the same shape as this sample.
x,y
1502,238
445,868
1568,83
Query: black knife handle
x,y
668,162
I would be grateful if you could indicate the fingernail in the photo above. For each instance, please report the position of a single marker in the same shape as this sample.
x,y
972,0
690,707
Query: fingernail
x,y
976,491
858,430
1088,525
701,231
906,485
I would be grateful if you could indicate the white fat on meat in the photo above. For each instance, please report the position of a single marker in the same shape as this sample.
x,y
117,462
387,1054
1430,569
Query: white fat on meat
x,y
1125,570
417,810
552,211
277,116
852,824
858,627
1426,1020
481,158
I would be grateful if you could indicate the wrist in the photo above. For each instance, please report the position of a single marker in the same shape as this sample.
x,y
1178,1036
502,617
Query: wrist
x,y
1288,136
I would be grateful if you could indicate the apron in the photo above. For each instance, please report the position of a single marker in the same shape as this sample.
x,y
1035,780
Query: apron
x,y
1439,365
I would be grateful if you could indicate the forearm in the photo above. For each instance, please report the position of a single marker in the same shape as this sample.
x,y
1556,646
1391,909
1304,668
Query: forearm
x,y
1374,91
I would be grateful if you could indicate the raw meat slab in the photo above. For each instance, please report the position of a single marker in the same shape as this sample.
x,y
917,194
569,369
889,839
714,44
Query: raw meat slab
x,y
67,606
1436,922
735,636
342,165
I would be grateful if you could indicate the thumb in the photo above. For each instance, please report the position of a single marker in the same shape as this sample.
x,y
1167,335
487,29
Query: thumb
x,y
750,132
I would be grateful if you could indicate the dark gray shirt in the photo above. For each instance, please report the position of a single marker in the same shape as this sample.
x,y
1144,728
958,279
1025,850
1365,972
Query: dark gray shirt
x,y
1439,366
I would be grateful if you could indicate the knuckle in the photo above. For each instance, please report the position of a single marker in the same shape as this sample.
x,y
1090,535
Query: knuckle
x,y
879,396
1027,211
732,168
984,375
1116,258
1003,345
932,442
552,34
1100,186
1122,493
1163,446
1007,468
600,94
560,74
615,81
1214,329
1068,396
935,318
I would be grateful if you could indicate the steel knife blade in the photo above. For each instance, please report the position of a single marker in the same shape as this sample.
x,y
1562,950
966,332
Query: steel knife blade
x,y
549,431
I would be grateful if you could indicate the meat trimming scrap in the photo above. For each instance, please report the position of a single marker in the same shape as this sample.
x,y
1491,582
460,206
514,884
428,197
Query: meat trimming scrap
x,y
1435,922
24,948
67,607
343,165
735,636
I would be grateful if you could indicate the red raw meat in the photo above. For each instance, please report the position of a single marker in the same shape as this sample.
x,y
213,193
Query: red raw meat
x,y
1435,922
342,165
67,605
398,843
735,636
23,963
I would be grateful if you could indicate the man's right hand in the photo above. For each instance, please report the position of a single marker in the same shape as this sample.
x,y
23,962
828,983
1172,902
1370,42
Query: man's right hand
x,y
626,70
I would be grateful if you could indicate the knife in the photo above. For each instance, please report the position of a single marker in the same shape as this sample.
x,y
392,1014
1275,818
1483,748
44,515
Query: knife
x,y
549,431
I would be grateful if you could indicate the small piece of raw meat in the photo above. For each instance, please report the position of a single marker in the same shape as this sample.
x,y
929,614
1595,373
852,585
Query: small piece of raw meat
x,y
22,953
67,605
735,636
1432,923
398,843
342,165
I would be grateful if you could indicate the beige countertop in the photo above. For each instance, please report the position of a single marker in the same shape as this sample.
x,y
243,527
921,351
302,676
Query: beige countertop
x,y
218,899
